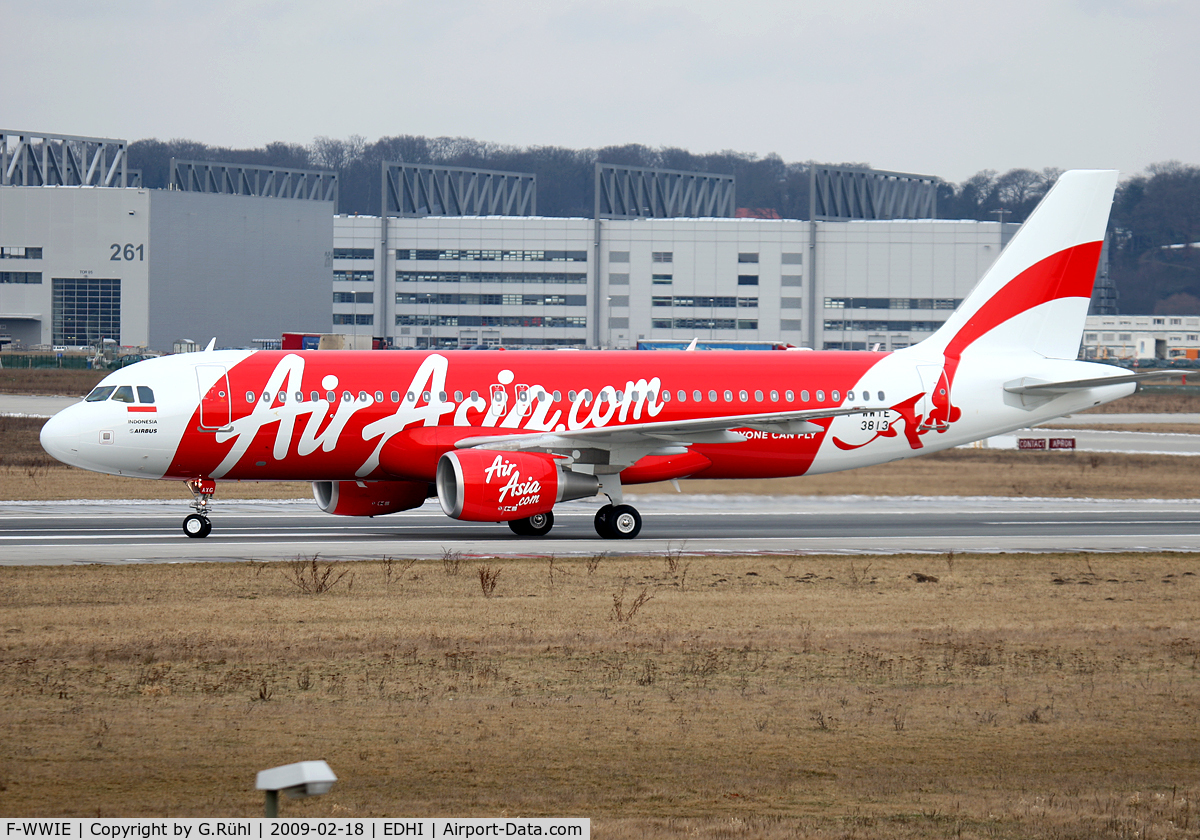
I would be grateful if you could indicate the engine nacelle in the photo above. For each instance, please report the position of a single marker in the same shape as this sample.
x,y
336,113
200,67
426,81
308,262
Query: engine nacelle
x,y
369,498
481,485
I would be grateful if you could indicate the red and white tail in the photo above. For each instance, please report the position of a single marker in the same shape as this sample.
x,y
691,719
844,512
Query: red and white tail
x,y
1035,296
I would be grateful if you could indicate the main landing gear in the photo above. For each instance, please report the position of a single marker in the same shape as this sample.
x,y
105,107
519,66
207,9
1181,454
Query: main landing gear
x,y
618,522
197,525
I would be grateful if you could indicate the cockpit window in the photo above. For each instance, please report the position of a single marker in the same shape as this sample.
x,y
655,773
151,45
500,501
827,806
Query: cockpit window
x,y
101,393
124,394
145,394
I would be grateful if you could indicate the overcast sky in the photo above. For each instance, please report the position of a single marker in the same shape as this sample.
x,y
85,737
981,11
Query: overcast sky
x,y
938,87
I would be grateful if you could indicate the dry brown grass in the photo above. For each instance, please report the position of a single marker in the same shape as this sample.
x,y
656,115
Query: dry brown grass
x,y
53,382
1018,696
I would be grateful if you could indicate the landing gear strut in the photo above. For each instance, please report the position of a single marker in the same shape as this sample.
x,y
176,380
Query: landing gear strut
x,y
197,525
538,525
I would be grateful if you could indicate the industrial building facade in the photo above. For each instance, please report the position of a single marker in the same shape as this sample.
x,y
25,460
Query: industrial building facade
x,y
536,282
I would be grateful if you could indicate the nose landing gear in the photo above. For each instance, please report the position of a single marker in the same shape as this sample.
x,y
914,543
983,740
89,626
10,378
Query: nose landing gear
x,y
197,525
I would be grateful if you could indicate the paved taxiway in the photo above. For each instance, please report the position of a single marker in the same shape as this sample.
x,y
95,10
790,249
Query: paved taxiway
x,y
126,532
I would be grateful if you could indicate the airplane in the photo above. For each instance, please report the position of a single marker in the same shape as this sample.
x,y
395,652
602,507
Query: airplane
x,y
504,436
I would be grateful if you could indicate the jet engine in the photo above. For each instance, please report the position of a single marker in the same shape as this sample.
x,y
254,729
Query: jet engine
x,y
479,485
369,498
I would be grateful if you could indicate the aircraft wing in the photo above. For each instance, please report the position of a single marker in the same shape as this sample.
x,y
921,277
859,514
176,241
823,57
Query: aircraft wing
x,y
647,437
1027,385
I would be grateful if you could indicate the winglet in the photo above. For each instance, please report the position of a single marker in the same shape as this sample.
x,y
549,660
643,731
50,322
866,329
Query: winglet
x,y
691,346
212,343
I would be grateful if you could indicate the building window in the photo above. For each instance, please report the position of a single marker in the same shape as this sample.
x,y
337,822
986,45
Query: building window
x,y
618,279
792,259
353,276
747,258
19,253
347,319
490,321
661,279
467,299
490,255
354,253
544,277
618,256
34,277
662,256
1125,337
85,310
353,297
747,279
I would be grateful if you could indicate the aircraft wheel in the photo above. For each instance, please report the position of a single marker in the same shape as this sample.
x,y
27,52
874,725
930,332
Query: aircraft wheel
x,y
602,522
197,526
537,525
624,522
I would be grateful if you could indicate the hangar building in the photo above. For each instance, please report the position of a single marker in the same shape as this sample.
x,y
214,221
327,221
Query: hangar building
x,y
85,254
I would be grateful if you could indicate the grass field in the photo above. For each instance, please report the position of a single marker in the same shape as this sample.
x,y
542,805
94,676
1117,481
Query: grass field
x,y
668,696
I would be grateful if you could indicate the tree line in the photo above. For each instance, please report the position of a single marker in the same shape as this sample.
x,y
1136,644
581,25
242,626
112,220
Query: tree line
x,y
1152,228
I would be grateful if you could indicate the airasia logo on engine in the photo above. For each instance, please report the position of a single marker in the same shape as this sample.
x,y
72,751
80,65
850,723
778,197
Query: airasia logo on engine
x,y
528,491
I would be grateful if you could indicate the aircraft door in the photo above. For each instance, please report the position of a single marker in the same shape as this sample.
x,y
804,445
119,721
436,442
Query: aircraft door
x,y
216,405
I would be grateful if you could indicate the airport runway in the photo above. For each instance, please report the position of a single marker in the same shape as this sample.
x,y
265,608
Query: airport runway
x,y
128,532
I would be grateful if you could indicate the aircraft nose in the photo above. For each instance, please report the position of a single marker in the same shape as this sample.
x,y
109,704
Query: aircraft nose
x,y
59,437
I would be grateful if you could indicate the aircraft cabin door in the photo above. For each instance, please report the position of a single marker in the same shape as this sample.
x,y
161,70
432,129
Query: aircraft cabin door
x,y
216,405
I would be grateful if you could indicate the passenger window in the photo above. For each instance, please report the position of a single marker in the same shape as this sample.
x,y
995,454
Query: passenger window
x,y
729,396
666,396
682,396
362,396
395,395
266,396
820,396
250,397
557,396
712,396
571,395
124,393
425,396
145,395
743,396
330,397
457,396
774,396
299,396
314,396
475,396
758,396
347,396
587,396
835,396
804,395
410,396
379,396
789,396
697,396
105,391
283,396
882,398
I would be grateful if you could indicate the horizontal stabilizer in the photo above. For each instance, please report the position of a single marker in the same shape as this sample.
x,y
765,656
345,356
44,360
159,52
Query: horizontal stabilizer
x,y
1030,386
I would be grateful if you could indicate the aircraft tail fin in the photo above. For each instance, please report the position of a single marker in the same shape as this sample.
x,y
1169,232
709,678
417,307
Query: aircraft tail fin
x,y
1035,296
